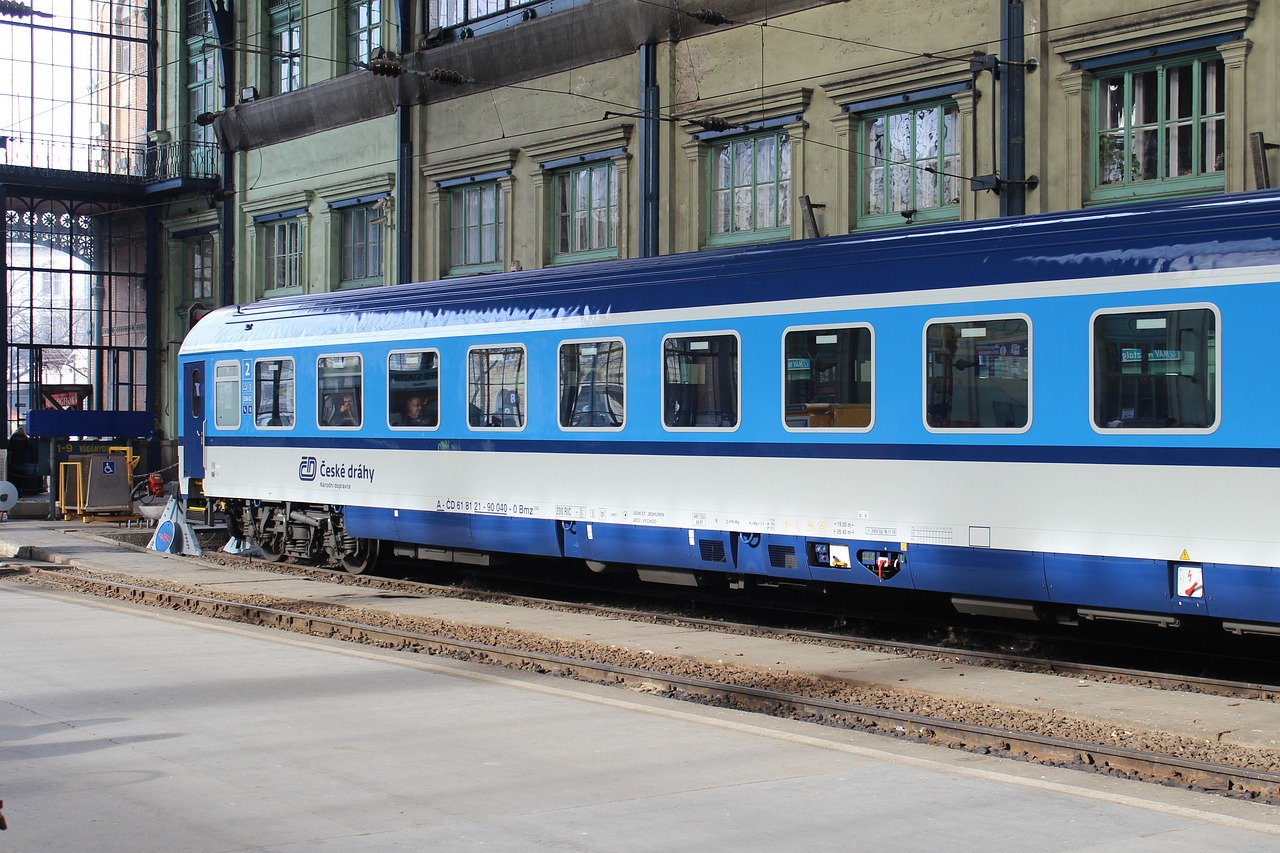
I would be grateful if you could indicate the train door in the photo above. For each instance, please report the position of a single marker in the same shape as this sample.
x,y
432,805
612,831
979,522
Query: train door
x,y
193,420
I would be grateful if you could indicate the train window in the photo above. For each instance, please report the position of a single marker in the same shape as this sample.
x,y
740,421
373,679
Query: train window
x,y
700,382
496,387
1156,369
339,382
274,403
413,389
226,394
592,374
978,374
827,375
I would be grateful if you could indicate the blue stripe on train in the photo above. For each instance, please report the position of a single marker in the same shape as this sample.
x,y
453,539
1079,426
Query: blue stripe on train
x,y
1211,457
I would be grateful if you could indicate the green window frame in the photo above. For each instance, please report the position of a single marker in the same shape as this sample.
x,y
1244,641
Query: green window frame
x,y
910,168
286,46
364,29
283,253
586,212
477,229
1160,128
200,262
750,189
361,250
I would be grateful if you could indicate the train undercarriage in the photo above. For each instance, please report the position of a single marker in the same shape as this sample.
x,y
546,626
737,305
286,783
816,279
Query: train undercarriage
x,y
309,532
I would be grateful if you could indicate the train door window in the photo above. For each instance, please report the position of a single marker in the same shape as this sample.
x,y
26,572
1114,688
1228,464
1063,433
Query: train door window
x,y
339,383
700,381
592,393
274,401
413,389
827,378
978,374
1156,369
496,387
226,395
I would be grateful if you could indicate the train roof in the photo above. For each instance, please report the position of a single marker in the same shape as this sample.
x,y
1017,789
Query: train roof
x,y
1204,233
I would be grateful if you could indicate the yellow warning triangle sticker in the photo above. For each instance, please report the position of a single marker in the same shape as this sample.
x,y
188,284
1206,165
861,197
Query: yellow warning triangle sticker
x,y
1185,555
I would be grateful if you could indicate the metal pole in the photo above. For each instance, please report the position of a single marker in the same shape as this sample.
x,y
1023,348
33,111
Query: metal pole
x,y
1013,110
649,141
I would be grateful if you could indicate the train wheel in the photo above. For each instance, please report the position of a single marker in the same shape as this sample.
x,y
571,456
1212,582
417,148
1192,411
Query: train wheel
x,y
363,558
273,549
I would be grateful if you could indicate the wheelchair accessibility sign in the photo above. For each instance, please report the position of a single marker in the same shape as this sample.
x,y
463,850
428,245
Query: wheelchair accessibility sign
x,y
108,466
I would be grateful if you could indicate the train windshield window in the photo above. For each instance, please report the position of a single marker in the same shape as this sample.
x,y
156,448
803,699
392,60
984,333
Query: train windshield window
x,y
339,381
827,378
273,397
1155,369
591,384
978,374
700,382
413,389
226,395
496,387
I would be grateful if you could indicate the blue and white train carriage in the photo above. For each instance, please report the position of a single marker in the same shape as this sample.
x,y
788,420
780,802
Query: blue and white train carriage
x,y
1071,414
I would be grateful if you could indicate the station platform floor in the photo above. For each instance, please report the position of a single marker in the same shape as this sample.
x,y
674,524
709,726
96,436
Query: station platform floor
x,y
130,728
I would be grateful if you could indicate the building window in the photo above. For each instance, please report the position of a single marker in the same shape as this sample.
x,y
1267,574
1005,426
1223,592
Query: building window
x,y
592,377
226,395
361,246
978,374
1159,128
700,382
910,165
413,389
451,13
586,212
202,87
476,228
339,382
201,266
496,383
274,404
364,29
751,189
283,253
827,378
1156,369
286,46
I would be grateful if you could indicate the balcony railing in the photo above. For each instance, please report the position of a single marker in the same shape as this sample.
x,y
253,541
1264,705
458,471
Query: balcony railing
x,y
132,162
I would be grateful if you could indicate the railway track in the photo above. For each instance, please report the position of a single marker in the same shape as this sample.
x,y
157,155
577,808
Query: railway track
x,y
960,653
1152,766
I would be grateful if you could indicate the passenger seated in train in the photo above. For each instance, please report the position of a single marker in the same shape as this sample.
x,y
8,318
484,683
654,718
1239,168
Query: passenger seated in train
x,y
416,413
340,410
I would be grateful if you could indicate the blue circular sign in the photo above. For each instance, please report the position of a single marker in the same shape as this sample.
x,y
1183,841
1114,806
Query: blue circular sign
x,y
164,536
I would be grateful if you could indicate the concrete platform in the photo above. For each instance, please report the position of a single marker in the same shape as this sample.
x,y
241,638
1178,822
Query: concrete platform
x,y
132,729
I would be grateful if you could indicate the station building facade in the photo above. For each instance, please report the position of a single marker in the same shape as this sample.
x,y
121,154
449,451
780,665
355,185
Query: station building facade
x,y
376,142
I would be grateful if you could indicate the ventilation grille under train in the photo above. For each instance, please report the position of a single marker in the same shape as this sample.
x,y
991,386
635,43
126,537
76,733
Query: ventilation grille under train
x,y
712,550
782,557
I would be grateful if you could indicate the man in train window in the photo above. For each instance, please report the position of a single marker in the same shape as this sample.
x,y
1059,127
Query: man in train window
x,y
343,413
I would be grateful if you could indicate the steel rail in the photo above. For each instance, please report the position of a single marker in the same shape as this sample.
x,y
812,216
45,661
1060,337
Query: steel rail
x,y
1148,766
